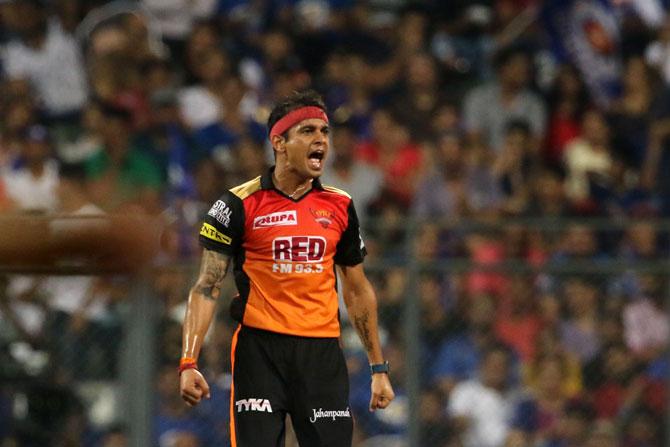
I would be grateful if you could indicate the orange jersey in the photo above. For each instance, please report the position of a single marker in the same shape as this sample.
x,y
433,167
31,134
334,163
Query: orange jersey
x,y
284,253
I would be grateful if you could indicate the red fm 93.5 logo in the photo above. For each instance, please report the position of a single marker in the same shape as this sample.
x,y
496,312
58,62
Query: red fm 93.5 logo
x,y
299,249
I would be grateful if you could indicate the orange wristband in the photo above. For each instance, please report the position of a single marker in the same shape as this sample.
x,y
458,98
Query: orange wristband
x,y
187,363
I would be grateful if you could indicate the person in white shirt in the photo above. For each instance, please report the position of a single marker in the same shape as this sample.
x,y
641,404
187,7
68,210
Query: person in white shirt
x,y
481,409
81,323
32,185
589,156
48,57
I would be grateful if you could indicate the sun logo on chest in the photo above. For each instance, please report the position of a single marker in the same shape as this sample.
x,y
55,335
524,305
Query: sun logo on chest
x,y
323,217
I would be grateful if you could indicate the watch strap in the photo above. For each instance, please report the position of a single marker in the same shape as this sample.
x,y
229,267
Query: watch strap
x,y
378,368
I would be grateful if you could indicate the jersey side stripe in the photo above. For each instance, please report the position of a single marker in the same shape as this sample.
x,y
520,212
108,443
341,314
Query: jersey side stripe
x,y
246,189
336,191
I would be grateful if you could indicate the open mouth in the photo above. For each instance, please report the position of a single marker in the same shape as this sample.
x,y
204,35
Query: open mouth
x,y
315,159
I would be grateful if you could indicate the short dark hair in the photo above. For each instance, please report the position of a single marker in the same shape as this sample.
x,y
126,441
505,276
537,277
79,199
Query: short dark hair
x,y
295,101
75,172
518,125
505,55
113,111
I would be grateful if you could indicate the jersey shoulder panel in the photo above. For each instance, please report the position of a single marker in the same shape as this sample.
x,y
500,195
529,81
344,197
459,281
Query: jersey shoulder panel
x,y
336,191
246,189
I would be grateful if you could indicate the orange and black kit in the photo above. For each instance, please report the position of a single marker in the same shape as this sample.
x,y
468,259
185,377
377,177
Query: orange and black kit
x,y
286,356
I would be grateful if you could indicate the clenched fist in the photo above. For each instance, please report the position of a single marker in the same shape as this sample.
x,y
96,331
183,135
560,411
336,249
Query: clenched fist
x,y
193,387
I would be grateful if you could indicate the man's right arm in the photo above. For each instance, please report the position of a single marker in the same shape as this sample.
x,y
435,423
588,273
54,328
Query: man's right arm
x,y
199,312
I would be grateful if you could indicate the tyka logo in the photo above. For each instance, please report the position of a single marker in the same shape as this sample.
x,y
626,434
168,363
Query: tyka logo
x,y
252,404
282,218
299,248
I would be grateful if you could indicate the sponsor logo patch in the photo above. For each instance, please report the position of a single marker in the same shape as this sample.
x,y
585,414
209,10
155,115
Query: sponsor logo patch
x,y
323,217
282,218
329,414
212,233
299,248
251,404
220,212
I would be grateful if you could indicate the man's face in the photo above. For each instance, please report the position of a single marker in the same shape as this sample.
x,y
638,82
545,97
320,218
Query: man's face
x,y
516,71
307,147
494,370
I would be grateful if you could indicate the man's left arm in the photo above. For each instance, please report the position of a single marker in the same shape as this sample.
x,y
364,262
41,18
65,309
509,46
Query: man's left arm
x,y
361,302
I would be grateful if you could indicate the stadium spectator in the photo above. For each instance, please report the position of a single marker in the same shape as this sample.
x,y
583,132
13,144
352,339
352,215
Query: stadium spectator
x,y
487,109
566,100
656,162
80,322
201,103
579,329
456,184
46,55
548,344
175,18
587,156
547,193
656,54
481,408
512,165
33,181
646,328
363,180
537,416
392,150
632,115
421,94
436,321
642,429
518,322
435,427
573,427
622,387
121,173
24,311
458,357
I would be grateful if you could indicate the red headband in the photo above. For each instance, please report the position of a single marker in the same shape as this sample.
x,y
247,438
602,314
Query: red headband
x,y
294,117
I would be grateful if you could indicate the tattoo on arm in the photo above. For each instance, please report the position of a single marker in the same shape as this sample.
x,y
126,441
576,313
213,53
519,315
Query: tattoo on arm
x,y
361,322
212,271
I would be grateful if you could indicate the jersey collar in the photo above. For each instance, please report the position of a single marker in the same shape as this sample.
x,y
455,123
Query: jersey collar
x,y
266,182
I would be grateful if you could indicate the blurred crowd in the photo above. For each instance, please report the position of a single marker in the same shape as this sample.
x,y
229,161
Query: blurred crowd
x,y
448,113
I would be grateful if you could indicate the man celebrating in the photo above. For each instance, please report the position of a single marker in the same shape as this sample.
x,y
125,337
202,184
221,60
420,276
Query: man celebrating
x,y
285,232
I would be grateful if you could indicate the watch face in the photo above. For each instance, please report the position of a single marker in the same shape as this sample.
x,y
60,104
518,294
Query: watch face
x,y
380,368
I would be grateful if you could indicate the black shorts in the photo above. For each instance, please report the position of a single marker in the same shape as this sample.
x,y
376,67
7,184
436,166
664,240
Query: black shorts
x,y
275,375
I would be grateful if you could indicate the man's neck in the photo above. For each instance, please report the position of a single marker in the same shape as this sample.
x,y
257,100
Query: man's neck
x,y
36,169
36,41
508,91
289,182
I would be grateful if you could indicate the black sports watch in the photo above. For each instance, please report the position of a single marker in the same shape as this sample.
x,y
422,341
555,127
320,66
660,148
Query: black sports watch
x,y
378,368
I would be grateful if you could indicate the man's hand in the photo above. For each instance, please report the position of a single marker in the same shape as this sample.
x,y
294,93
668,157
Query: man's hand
x,y
382,392
193,387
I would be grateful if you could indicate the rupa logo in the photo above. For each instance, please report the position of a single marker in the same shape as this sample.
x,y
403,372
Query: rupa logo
x,y
252,404
282,218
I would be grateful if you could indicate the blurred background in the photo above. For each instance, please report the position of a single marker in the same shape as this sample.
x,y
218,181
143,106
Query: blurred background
x,y
508,159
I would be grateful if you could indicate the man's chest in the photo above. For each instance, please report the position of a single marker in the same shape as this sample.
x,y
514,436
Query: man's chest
x,y
282,230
